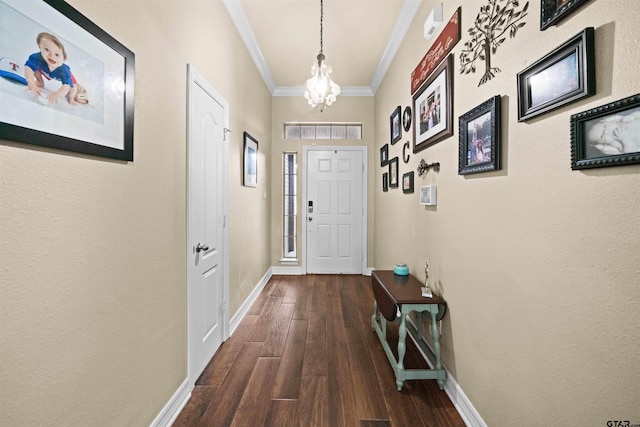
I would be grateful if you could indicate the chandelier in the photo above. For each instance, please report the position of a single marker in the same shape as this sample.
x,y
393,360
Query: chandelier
x,y
320,89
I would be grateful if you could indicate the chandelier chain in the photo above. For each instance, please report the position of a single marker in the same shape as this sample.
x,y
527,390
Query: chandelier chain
x,y
321,19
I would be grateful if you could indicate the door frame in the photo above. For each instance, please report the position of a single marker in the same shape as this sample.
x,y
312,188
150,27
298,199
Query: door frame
x,y
195,78
365,237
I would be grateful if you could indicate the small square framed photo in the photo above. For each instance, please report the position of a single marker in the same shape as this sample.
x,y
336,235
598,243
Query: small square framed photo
x,y
393,173
250,177
385,181
395,126
407,182
554,11
608,135
479,135
384,155
561,77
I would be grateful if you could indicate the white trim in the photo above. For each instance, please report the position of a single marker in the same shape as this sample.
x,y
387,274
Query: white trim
x,y
296,91
194,77
365,210
240,20
403,22
463,405
174,406
291,271
251,298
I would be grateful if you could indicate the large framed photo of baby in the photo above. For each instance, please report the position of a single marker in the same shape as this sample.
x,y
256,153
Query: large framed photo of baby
x,y
64,82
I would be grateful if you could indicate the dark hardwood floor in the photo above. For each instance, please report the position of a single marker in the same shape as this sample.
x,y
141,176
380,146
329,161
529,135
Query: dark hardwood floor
x,y
305,355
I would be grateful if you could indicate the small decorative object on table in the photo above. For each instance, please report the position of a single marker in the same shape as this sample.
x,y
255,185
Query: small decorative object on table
x,y
426,274
401,269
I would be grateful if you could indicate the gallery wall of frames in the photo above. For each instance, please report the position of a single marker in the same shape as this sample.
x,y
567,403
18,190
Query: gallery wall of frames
x,y
608,135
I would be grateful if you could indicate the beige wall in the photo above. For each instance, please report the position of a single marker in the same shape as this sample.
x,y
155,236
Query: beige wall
x,y
539,263
92,251
296,109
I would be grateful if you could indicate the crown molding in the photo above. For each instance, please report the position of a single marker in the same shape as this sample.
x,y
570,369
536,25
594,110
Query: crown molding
x,y
345,91
239,18
241,22
407,13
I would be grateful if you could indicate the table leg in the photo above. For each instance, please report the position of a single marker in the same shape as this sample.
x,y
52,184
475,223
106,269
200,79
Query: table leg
x,y
436,346
402,348
374,318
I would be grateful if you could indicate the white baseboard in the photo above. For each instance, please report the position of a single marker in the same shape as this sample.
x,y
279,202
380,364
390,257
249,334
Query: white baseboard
x,y
297,270
172,409
246,305
284,270
463,405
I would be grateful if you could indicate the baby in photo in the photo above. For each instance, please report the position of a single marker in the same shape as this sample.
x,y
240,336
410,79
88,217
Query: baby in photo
x,y
49,64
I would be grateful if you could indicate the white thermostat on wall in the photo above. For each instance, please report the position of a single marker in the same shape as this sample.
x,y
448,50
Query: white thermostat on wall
x,y
428,195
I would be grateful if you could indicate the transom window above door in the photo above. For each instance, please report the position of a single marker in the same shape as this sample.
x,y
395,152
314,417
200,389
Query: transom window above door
x,y
323,131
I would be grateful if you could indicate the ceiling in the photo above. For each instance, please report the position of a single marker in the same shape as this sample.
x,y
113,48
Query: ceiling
x,y
360,38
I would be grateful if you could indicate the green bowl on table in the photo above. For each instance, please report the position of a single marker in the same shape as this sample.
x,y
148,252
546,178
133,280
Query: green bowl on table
x,y
401,269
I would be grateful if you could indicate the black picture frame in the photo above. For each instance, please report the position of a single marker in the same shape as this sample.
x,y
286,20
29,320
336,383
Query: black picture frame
x,y
385,181
393,173
384,155
554,11
436,91
565,75
608,135
407,182
406,119
250,161
102,67
395,125
480,138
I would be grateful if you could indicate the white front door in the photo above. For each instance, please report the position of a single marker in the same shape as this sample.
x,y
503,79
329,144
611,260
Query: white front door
x,y
334,204
206,245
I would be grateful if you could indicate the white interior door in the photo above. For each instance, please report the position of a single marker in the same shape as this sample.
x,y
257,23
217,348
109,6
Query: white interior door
x,y
206,247
334,210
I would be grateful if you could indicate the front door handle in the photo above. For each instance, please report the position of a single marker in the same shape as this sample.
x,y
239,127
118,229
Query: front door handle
x,y
310,219
202,247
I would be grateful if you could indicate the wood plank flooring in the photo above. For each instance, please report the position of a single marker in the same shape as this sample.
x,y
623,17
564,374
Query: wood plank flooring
x,y
305,355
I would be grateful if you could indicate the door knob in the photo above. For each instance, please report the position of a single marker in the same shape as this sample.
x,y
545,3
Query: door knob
x,y
310,218
202,247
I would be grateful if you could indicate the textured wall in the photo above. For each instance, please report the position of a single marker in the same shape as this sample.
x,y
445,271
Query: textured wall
x,y
539,263
92,251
